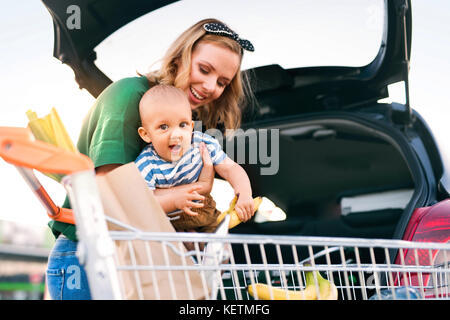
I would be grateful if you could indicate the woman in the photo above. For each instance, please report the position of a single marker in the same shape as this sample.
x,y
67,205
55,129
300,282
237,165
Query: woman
x,y
205,62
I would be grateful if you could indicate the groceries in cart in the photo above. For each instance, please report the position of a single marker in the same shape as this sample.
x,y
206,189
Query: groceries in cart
x,y
50,129
317,288
400,293
175,155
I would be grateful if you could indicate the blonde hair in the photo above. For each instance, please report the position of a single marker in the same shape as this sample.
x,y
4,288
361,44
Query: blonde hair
x,y
227,108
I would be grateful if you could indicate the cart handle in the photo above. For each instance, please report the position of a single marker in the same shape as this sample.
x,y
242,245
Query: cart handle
x,y
19,148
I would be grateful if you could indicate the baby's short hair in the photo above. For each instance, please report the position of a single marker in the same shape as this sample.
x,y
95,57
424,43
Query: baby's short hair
x,y
164,90
161,91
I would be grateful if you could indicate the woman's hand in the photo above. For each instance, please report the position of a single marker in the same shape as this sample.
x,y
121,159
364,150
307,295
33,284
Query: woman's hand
x,y
244,207
206,178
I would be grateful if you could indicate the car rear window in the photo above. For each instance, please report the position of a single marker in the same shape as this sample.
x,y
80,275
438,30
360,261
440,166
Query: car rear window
x,y
301,33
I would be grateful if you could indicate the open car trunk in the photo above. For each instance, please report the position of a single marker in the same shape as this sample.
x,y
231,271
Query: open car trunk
x,y
336,177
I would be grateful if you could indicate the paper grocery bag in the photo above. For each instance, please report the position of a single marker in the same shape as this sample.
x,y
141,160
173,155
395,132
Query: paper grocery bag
x,y
126,197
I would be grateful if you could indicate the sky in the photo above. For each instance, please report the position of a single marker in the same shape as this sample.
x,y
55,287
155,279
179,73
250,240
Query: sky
x,y
33,79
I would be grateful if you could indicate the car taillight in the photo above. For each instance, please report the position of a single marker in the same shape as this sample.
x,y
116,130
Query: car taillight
x,y
430,224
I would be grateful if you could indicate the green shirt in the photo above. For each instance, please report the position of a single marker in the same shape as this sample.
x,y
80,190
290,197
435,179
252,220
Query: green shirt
x,y
109,133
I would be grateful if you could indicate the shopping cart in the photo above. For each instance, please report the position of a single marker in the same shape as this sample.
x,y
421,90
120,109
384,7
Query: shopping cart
x,y
220,265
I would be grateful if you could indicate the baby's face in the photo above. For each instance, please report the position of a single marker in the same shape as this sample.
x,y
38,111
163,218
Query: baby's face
x,y
169,128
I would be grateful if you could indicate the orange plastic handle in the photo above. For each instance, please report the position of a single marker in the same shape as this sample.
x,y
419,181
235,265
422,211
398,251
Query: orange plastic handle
x,y
54,212
18,147
63,215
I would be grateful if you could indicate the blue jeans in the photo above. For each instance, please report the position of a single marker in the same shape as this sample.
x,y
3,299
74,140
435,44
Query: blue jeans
x,y
66,278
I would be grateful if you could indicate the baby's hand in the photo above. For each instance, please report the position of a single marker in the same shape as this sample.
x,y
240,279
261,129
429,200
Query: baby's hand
x,y
244,207
185,200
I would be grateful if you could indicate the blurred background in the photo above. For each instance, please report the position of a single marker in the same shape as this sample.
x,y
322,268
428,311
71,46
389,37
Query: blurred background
x,y
33,79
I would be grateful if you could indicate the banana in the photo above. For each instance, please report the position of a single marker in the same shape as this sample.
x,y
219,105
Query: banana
x,y
327,290
263,293
229,210
234,218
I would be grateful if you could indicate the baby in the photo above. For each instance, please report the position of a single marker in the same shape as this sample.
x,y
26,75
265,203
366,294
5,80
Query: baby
x,y
174,156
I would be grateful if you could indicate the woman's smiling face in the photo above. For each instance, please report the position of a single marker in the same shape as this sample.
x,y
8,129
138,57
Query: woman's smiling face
x,y
212,68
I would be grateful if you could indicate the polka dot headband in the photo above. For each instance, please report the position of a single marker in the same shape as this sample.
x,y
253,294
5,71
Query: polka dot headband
x,y
222,30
